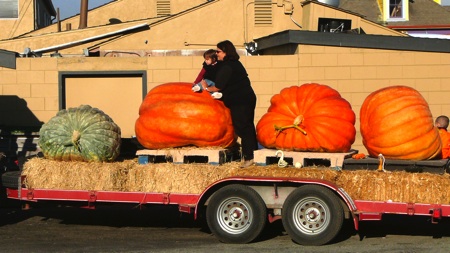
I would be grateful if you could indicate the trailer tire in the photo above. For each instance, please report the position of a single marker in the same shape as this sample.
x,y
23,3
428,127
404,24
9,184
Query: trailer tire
x,y
11,179
312,215
236,214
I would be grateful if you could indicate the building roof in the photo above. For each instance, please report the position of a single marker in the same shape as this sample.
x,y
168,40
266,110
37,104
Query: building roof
x,y
367,8
423,14
289,37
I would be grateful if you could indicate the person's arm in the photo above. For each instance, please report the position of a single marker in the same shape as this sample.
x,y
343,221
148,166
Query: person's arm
x,y
200,76
222,77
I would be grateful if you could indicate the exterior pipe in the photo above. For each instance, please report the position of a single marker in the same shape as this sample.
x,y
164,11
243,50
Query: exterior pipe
x,y
83,14
58,20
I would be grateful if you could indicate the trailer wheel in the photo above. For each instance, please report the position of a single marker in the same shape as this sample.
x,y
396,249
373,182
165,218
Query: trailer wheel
x,y
312,215
236,214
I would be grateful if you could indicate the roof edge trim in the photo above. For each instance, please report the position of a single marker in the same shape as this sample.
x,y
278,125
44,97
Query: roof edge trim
x,y
353,40
89,39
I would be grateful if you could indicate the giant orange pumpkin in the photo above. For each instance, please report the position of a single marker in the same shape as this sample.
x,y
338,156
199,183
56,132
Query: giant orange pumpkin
x,y
310,117
172,115
397,123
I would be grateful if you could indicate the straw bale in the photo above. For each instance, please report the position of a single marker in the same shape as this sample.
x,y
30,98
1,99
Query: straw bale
x,y
275,171
179,178
130,176
50,174
397,186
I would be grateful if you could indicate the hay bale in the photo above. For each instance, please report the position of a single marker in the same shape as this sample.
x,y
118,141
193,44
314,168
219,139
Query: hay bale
x,y
179,178
130,176
133,177
275,171
50,174
396,186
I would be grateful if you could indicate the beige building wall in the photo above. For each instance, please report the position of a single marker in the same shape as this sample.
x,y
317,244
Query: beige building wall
x,y
195,29
14,27
120,11
201,28
54,39
355,73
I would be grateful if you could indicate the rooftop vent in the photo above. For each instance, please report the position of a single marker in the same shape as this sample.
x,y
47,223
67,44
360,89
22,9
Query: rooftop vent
x,y
263,12
162,8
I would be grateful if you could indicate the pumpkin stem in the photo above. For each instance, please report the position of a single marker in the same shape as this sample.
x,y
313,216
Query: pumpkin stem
x,y
76,139
297,121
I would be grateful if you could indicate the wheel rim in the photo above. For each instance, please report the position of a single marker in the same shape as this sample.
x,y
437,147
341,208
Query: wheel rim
x,y
311,216
234,215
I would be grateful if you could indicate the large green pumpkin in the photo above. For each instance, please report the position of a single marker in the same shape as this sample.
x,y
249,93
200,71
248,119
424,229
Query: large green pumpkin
x,y
80,134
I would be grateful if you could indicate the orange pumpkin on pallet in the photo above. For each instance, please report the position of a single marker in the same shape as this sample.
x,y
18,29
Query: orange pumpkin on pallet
x,y
396,122
172,115
310,117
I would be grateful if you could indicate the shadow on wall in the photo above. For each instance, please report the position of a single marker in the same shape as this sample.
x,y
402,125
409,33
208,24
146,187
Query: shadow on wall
x,y
19,127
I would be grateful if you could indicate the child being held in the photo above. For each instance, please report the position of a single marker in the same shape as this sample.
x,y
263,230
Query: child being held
x,y
208,73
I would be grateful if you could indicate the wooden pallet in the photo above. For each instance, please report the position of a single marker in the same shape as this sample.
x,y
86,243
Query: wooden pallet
x,y
188,155
435,166
265,157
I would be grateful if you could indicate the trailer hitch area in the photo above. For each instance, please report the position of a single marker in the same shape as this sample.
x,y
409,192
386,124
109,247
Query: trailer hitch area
x,y
436,215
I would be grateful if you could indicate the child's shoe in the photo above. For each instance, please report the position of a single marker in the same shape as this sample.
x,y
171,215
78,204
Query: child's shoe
x,y
196,88
216,95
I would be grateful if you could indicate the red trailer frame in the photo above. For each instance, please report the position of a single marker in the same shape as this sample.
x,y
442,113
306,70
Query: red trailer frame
x,y
362,210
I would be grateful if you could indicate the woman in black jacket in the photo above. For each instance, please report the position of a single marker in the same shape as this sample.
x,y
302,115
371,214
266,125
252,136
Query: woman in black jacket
x,y
238,95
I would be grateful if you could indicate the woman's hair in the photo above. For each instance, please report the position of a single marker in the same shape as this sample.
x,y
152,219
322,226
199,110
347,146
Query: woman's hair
x,y
229,49
211,54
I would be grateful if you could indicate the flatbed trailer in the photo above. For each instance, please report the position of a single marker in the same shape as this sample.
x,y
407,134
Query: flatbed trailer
x,y
237,208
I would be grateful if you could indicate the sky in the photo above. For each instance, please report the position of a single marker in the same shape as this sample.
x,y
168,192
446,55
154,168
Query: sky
x,y
68,8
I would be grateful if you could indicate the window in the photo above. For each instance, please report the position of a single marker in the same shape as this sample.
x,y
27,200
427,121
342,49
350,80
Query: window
x,y
396,10
9,9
